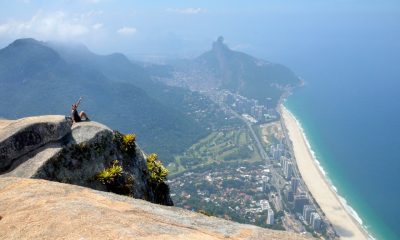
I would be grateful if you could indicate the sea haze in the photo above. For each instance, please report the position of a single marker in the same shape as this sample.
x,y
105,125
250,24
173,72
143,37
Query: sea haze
x,y
350,111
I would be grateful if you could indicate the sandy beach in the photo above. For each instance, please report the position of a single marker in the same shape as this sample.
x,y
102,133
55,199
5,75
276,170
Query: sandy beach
x,y
345,225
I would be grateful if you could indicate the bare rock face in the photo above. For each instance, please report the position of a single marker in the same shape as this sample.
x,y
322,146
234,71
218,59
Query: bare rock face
x,y
24,135
51,148
40,209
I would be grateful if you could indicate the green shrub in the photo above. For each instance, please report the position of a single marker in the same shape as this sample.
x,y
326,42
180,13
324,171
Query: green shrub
x,y
125,142
158,173
128,142
108,175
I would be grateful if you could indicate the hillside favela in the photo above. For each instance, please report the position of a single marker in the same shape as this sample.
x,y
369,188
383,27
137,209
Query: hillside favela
x,y
199,119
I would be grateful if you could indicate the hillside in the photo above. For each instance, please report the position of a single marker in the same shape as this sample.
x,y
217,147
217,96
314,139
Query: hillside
x,y
36,79
224,68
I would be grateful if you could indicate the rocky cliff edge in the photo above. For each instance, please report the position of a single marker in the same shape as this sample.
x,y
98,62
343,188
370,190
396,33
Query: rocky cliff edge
x,y
88,154
40,209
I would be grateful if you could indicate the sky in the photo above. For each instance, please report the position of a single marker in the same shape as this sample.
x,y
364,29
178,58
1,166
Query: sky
x,y
274,30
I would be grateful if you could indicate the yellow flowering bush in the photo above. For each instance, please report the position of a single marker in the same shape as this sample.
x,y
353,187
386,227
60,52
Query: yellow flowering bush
x,y
128,142
158,173
108,175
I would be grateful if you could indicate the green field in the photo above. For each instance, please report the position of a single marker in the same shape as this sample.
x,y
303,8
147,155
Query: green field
x,y
220,146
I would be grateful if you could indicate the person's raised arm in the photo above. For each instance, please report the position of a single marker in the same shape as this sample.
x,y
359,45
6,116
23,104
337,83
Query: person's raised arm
x,y
78,102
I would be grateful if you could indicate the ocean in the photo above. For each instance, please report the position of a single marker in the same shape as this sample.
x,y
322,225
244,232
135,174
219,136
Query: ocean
x,y
349,110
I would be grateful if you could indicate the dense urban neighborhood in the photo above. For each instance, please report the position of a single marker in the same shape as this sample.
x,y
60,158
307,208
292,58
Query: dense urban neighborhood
x,y
262,188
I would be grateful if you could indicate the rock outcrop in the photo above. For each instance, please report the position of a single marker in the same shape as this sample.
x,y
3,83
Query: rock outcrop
x,y
51,148
27,134
40,209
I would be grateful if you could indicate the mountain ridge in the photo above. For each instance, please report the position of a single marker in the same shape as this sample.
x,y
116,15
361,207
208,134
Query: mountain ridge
x,y
131,96
54,84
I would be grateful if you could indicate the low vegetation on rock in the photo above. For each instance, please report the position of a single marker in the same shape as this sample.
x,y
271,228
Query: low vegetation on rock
x,y
108,175
126,142
87,154
158,173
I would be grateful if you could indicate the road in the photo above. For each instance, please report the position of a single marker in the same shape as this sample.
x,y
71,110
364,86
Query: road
x,y
260,147
261,150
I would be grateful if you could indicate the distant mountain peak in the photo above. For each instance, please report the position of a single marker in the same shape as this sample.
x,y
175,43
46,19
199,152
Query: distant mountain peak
x,y
219,45
25,41
25,59
220,39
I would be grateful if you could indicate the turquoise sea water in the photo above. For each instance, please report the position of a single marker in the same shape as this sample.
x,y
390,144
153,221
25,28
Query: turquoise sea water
x,y
351,118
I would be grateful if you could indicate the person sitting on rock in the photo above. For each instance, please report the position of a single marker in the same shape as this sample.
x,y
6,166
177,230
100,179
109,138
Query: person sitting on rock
x,y
74,112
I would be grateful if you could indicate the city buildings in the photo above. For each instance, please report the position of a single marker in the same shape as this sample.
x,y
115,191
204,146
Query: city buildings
x,y
264,204
300,200
257,111
265,194
288,169
283,159
315,221
294,184
270,217
307,211
290,196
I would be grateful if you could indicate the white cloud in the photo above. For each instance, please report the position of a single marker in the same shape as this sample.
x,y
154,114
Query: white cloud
x,y
127,31
187,10
97,26
55,25
4,28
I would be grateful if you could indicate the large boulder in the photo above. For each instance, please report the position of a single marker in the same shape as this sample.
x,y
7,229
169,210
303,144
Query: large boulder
x,y
24,135
48,147
39,209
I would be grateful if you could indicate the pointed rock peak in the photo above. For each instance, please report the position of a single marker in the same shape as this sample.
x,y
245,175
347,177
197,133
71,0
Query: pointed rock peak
x,y
219,45
220,39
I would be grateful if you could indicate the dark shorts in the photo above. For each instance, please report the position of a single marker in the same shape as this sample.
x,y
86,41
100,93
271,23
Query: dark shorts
x,y
76,117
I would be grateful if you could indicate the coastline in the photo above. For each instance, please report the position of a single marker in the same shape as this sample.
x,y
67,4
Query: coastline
x,y
343,218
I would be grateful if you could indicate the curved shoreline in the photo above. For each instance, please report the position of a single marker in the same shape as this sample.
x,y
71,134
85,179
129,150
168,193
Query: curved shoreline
x,y
339,213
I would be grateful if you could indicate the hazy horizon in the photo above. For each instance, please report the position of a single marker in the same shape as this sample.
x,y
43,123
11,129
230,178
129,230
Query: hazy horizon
x,y
273,30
